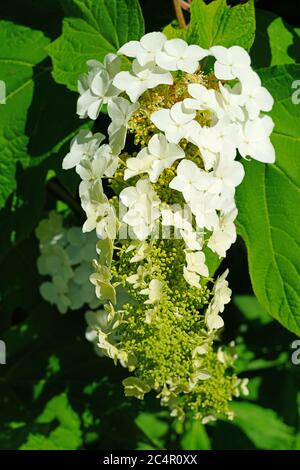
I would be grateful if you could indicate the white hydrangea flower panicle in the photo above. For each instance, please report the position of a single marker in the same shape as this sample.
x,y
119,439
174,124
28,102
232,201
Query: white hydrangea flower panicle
x,y
159,196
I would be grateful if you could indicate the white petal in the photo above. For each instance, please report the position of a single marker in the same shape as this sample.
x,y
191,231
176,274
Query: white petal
x,y
265,99
174,134
223,72
196,53
175,47
166,61
161,119
221,53
153,41
123,80
239,55
136,89
83,103
268,124
94,109
160,79
100,83
181,115
264,152
187,65
131,49
71,159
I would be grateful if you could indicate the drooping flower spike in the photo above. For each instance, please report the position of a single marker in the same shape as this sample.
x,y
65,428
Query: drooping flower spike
x,y
173,210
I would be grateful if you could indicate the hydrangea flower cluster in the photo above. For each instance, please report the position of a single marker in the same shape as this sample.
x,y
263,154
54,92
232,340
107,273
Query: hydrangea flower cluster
x,y
192,113
66,256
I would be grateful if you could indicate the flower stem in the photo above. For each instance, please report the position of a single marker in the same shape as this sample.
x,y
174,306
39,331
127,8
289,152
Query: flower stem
x,y
179,14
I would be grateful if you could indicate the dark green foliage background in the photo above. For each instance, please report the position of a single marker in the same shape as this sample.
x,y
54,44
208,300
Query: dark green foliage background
x,y
54,391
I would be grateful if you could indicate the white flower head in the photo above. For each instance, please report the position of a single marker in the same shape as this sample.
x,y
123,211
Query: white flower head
x,y
154,159
229,172
191,179
222,295
230,102
143,208
96,87
100,213
120,111
255,141
254,96
196,262
103,163
223,137
155,291
84,145
231,63
174,122
202,98
224,234
178,55
141,78
146,49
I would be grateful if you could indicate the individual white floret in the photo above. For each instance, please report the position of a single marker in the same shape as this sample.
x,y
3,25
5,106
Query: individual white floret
x,y
120,111
146,49
178,55
154,159
84,145
231,63
254,96
96,87
143,208
174,122
141,78
224,235
255,142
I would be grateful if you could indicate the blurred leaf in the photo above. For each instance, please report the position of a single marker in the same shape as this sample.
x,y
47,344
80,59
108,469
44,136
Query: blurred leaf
x,y
263,426
251,308
154,426
195,437
65,436
92,29
269,218
218,24
47,356
276,42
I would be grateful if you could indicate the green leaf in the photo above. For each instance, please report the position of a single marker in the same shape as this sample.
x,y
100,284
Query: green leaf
x,y
154,426
276,42
48,356
195,437
268,202
218,24
93,29
65,436
21,51
251,308
263,426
